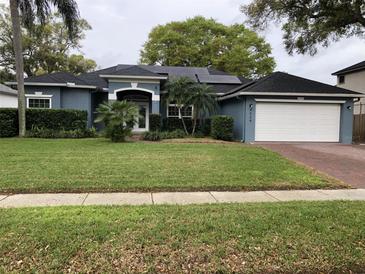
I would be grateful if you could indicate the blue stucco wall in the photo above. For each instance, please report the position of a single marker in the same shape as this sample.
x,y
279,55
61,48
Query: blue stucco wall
x,y
250,119
235,107
72,98
346,126
66,98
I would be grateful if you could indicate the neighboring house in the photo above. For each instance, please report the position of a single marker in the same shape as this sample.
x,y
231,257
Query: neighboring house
x,y
8,97
279,107
353,78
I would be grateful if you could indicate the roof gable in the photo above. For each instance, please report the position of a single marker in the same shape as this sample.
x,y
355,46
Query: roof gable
x,y
6,89
132,71
280,82
56,78
357,67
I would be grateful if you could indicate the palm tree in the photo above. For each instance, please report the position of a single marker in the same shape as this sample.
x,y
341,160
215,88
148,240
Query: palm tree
x,y
119,118
29,11
203,101
178,92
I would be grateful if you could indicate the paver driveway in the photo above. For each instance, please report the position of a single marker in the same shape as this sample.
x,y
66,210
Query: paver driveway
x,y
345,162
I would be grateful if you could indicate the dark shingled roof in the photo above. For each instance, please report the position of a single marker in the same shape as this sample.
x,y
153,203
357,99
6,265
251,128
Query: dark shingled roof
x,y
221,81
56,78
222,88
170,71
133,71
93,77
280,82
7,90
353,68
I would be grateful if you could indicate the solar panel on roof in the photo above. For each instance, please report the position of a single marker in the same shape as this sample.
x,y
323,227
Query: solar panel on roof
x,y
219,79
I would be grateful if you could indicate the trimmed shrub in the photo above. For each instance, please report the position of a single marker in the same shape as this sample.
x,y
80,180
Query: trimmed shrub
x,y
36,132
52,119
153,136
57,119
155,122
199,134
206,127
8,122
157,136
222,127
174,123
176,134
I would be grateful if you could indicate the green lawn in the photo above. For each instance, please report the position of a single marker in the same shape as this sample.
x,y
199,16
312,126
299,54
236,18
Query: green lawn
x,y
305,237
36,165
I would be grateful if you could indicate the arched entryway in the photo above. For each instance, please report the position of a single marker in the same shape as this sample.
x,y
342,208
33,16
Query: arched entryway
x,y
142,99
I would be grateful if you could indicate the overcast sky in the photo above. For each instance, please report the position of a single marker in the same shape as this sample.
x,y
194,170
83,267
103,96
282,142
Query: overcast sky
x,y
120,27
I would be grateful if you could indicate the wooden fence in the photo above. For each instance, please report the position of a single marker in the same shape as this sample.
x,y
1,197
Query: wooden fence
x,y
359,124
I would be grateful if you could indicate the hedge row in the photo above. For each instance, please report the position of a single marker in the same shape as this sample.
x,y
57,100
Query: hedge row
x,y
52,119
172,123
155,122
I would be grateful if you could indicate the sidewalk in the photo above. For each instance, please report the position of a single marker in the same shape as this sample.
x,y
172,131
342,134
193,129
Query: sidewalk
x,y
180,198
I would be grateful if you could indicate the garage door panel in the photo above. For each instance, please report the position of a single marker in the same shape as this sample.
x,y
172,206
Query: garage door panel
x,y
297,122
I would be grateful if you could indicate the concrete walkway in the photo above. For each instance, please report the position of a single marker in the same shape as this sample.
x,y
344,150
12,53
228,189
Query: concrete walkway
x,y
181,198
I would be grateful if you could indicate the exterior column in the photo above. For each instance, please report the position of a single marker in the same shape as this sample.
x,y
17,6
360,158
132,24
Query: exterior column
x,y
346,122
250,119
155,103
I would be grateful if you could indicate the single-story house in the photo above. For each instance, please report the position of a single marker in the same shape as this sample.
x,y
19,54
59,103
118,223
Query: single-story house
x,y
8,97
279,107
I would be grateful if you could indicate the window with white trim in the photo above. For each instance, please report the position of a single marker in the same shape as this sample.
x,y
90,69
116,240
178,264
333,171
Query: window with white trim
x,y
173,111
39,102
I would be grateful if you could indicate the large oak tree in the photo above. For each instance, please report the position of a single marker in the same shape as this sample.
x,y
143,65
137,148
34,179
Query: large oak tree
x,y
46,47
205,42
309,23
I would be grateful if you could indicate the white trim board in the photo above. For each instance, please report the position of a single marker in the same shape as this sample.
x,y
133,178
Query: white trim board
x,y
132,77
293,94
302,101
69,85
139,81
113,95
40,97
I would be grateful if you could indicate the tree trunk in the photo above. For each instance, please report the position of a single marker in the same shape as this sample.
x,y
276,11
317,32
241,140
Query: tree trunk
x,y
183,122
195,117
19,64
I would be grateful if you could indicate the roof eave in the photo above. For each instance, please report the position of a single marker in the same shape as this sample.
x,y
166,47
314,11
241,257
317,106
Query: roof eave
x,y
133,77
9,92
347,71
70,85
292,94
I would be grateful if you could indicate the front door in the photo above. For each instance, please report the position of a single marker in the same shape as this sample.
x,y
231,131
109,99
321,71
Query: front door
x,y
143,119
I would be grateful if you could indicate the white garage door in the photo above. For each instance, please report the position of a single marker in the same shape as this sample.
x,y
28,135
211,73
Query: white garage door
x,y
301,122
